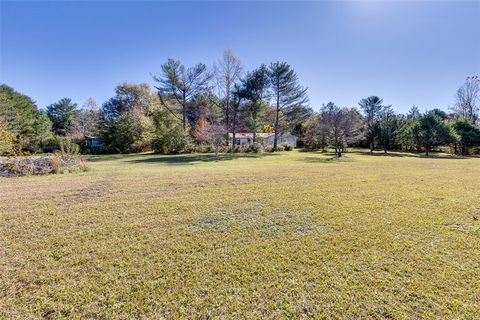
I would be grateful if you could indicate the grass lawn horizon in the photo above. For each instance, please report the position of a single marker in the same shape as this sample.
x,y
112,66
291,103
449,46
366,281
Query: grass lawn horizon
x,y
283,235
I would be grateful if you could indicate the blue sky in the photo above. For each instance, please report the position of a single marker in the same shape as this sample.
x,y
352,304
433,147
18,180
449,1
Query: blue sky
x,y
405,52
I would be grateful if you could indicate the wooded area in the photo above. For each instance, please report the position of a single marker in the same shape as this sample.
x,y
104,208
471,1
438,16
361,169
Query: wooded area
x,y
192,109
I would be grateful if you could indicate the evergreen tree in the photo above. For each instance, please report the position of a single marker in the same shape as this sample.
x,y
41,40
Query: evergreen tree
x,y
371,107
22,118
431,131
178,86
63,115
413,113
254,92
388,128
469,135
287,93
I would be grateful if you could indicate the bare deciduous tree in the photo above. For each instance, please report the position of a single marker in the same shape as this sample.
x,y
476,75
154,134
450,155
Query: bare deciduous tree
x,y
213,134
227,72
343,124
88,120
467,104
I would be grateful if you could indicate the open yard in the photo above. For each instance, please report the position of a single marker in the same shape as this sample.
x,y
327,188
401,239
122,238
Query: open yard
x,y
288,235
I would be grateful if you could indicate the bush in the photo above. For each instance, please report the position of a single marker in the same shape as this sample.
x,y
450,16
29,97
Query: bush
x,y
204,148
67,146
52,144
475,151
255,148
268,148
285,146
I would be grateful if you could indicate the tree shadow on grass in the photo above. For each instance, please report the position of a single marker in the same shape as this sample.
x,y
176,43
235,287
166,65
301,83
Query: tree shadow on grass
x,y
327,158
318,156
409,154
180,159
330,157
116,156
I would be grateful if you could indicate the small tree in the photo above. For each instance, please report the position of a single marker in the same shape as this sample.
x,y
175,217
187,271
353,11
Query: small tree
x,y
216,136
342,123
431,131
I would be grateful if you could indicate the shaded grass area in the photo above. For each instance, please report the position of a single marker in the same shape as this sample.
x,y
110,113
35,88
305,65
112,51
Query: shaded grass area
x,y
194,158
289,235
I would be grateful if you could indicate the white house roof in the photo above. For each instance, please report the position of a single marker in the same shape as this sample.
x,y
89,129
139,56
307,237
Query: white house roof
x,y
249,135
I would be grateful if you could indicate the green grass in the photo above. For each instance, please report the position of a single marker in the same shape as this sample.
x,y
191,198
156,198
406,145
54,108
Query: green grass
x,y
288,235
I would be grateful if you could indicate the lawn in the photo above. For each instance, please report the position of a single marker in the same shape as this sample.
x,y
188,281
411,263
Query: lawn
x,y
288,235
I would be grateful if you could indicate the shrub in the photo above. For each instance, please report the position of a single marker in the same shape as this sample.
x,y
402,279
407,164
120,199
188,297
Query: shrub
x,y
52,144
255,148
204,148
67,146
286,146
268,148
56,164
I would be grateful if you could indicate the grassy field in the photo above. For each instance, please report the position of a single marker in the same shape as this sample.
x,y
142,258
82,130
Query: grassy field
x,y
289,235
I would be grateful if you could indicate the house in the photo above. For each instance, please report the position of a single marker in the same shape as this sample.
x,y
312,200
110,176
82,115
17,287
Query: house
x,y
94,142
246,139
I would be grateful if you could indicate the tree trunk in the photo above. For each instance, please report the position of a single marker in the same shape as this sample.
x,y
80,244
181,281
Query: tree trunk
x,y
277,112
234,127
226,128
227,113
184,112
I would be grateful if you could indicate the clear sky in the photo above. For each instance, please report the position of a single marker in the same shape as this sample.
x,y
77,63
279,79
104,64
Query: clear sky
x,y
405,52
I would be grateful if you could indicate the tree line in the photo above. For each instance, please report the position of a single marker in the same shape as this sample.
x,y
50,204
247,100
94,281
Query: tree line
x,y
195,108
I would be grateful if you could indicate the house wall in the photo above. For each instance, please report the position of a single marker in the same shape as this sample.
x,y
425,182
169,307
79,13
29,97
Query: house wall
x,y
95,143
243,142
291,140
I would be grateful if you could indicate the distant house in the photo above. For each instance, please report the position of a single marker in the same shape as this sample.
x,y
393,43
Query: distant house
x,y
94,142
246,139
